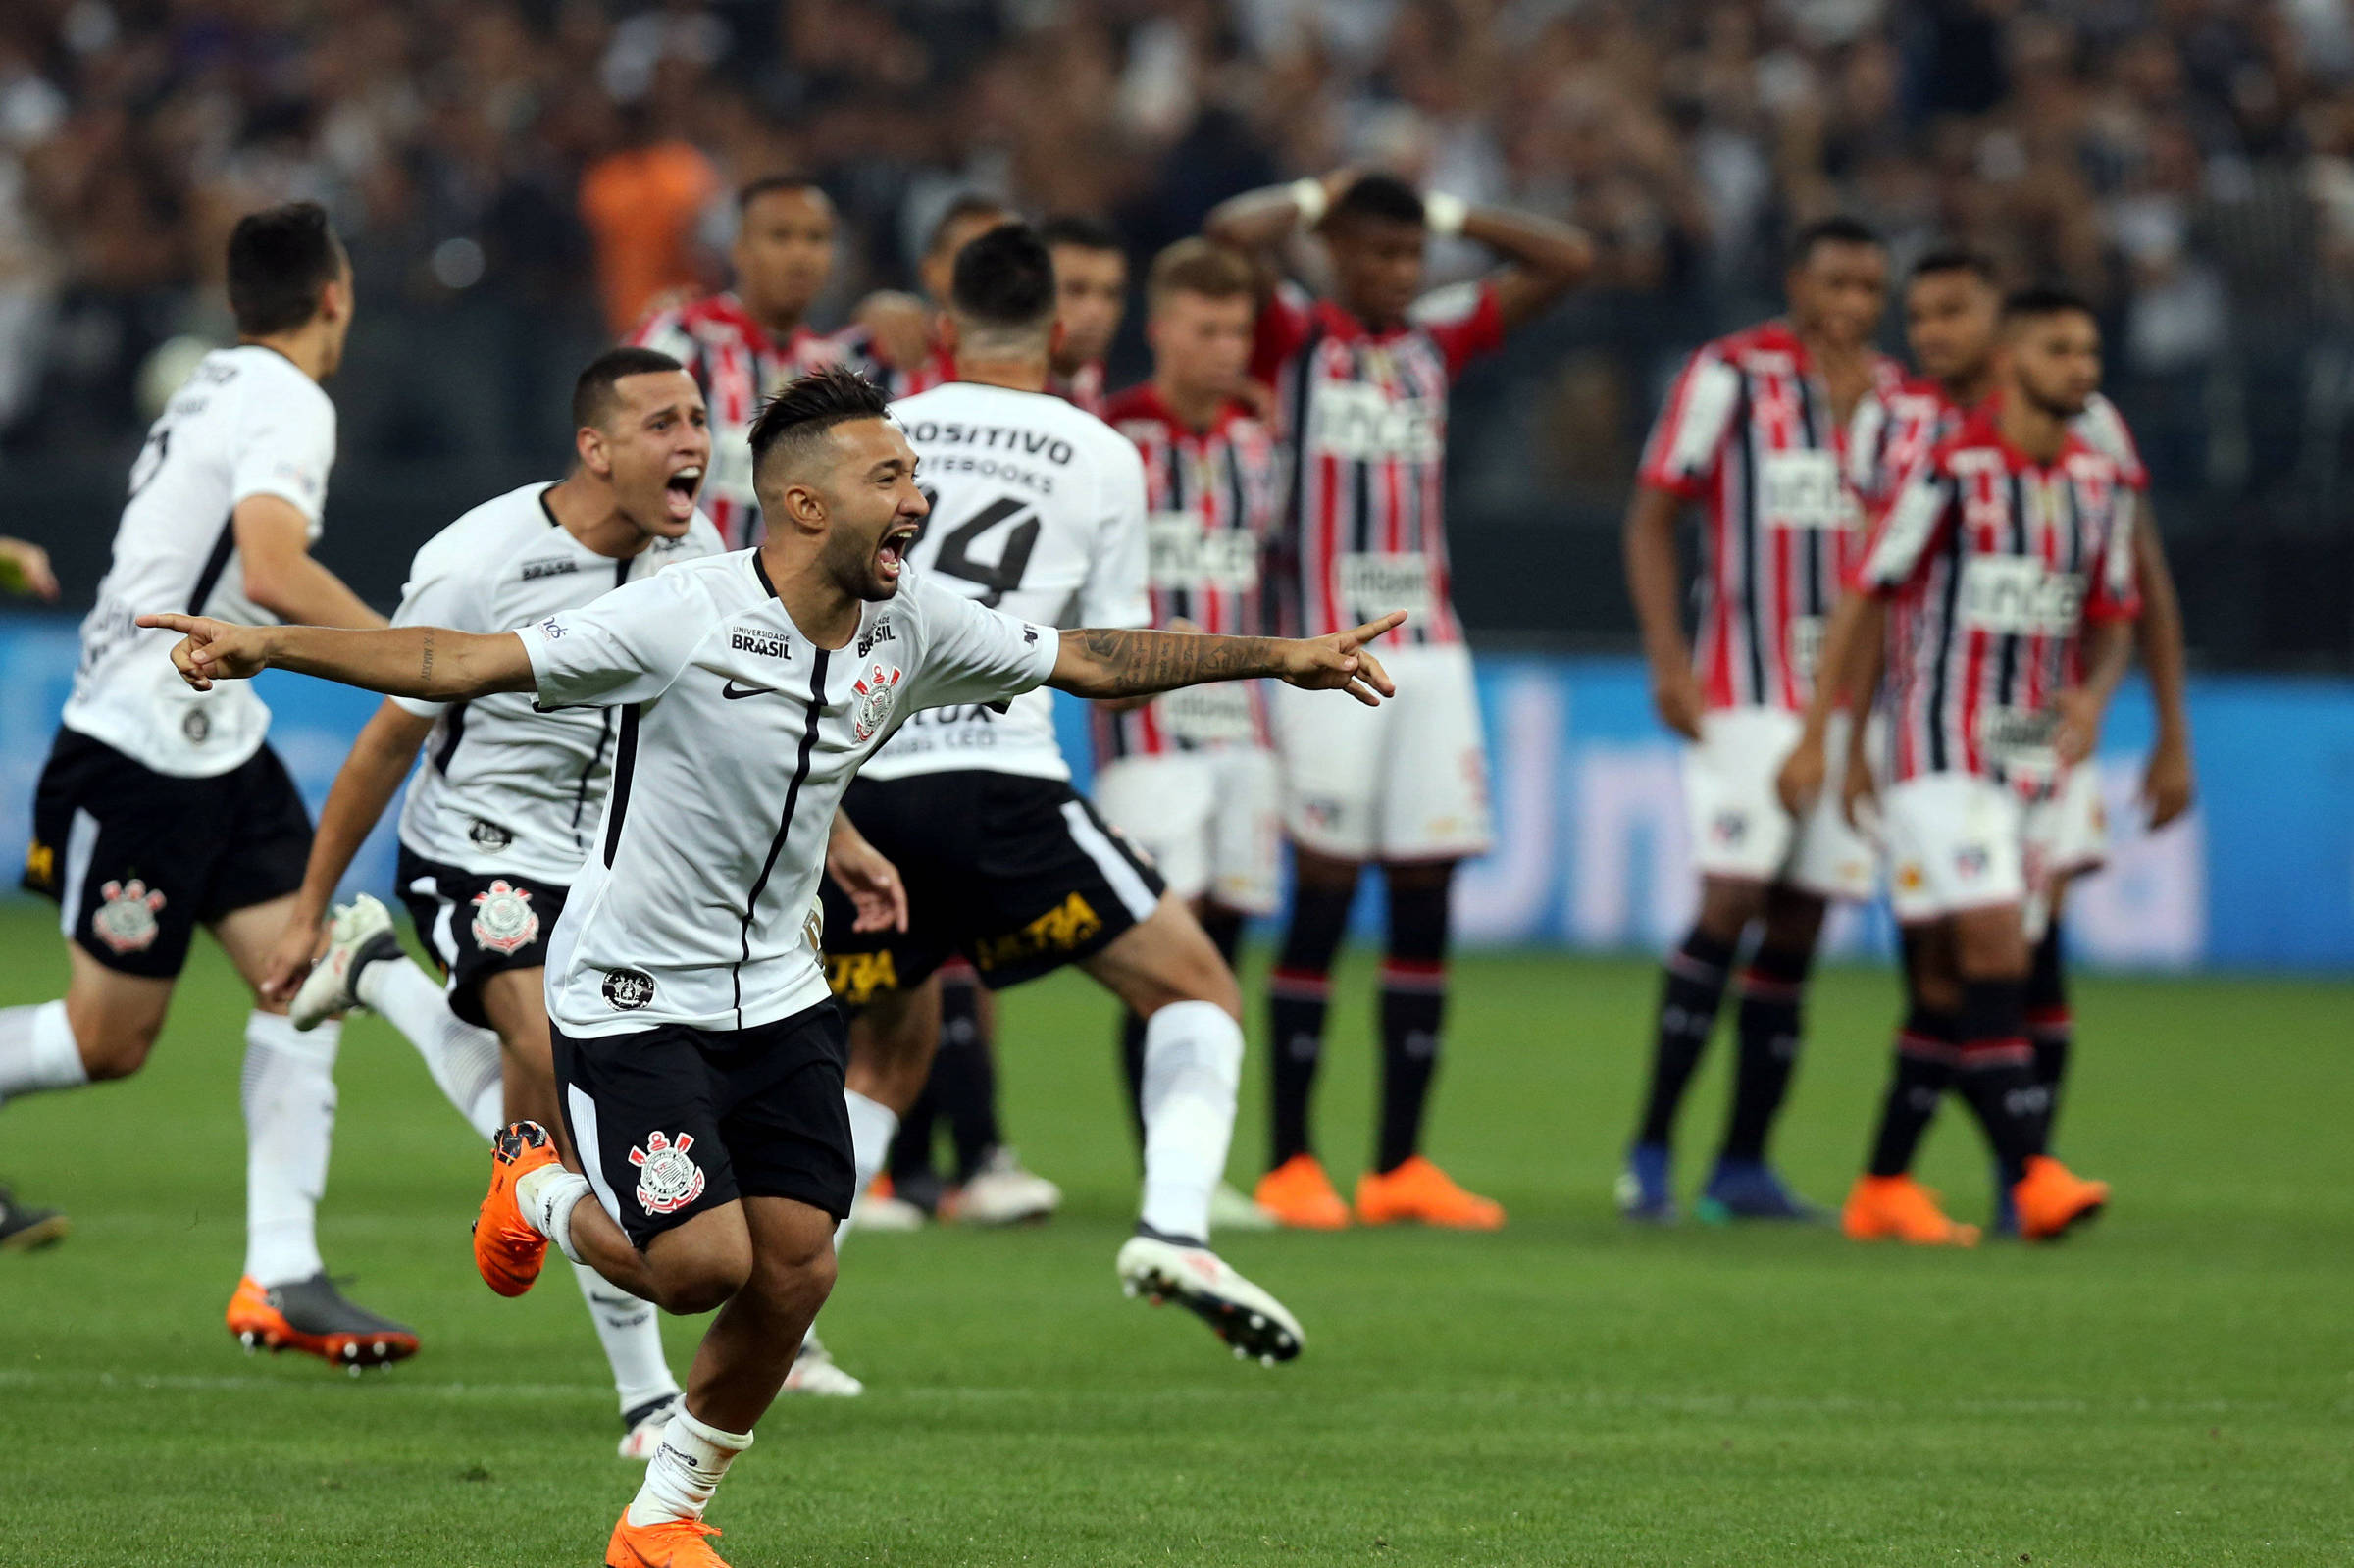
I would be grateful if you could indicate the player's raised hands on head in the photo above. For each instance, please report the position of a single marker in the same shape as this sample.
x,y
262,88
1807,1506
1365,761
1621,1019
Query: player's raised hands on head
x,y
213,650
1339,662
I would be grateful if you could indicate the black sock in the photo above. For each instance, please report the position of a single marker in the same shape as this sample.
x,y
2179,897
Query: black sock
x,y
912,1174
1299,992
1224,928
1413,1004
1767,1024
2051,1027
1693,986
1996,1072
964,1075
1925,1065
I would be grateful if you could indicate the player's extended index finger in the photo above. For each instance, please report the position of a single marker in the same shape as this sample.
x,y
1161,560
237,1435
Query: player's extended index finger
x,y
1373,629
170,623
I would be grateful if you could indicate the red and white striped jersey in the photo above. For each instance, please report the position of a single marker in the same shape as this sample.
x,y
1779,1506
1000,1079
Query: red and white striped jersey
x,y
1084,388
738,366
1893,431
1214,499
935,368
1749,429
1993,564
1364,420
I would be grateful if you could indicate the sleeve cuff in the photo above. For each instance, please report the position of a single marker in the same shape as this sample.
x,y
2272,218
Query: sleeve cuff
x,y
417,707
284,490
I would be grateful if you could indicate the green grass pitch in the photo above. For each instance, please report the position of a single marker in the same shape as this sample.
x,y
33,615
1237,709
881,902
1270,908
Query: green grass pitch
x,y
2176,1387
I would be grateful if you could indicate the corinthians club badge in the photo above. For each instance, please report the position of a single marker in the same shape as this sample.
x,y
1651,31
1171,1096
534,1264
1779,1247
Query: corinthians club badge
x,y
667,1180
124,919
871,708
504,921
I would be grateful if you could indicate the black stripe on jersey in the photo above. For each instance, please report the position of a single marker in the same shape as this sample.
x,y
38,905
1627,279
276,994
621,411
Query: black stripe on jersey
x,y
2007,672
213,565
1940,657
1360,483
793,799
1290,553
625,764
453,730
1753,637
1813,419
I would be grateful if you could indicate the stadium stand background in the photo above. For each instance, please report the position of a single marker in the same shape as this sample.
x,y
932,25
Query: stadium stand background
x,y
514,177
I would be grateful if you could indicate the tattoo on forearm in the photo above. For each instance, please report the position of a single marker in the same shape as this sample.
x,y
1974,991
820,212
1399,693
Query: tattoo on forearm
x,y
1136,663
426,670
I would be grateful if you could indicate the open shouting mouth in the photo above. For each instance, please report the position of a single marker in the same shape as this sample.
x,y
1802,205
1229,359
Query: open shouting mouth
x,y
680,490
892,553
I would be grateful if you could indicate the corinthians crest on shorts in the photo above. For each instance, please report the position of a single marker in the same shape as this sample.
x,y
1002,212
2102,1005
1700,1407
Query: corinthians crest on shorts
x,y
124,919
504,921
667,1180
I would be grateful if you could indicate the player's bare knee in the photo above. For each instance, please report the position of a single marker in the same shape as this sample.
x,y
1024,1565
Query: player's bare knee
x,y
691,1274
112,1047
1991,944
1727,906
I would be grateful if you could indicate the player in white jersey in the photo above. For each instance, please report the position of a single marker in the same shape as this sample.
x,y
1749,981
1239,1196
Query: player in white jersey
x,y
497,822
160,810
1038,507
699,1052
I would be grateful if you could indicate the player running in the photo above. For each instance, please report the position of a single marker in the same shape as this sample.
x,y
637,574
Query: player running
x,y
496,824
161,809
1039,507
1362,382
1190,778
1753,428
743,343
1952,319
2002,575
698,1053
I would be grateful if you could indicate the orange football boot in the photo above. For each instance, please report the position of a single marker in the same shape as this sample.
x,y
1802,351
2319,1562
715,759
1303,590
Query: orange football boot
x,y
313,1317
1418,1193
669,1544
507,1252
1882,1208
2053,1200
1300,1195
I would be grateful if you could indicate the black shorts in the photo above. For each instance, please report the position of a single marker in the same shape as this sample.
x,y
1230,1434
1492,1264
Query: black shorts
x,y
1019,875
477,923
671,1121
139,859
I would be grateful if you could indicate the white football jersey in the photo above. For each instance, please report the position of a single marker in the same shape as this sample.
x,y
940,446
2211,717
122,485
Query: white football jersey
x,y
504,789
737,738
1038,508
245,423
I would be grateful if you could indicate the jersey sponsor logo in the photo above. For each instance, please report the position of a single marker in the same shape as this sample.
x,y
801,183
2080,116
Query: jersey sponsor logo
x,y
856,978
197,726
870,709
1375,582
504,921
996,438
1358,421
1800,491
2018,595
668,1180
736,693
1208,716
761,640
628,989
488,836
124,919
40,864
534,571
879,633
1185,556
1060,930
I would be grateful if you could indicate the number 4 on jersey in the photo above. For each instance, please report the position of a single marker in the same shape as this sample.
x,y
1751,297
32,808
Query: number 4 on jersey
x,y
1004,574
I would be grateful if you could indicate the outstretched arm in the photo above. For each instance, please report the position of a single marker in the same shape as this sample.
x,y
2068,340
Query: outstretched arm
x,y
433,663
1096,662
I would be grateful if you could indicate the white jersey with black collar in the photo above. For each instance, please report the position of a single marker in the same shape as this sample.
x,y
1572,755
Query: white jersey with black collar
x,y
505,788
736,737
245,423
1037,509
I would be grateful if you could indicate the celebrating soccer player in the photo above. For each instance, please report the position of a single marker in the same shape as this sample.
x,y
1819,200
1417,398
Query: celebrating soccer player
x,y
2008,559
1751,428
1952,312
1362,382
163,809
698,1053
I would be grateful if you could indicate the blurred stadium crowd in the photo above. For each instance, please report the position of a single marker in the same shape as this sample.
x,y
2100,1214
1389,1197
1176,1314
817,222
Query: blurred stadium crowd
x,y
518,180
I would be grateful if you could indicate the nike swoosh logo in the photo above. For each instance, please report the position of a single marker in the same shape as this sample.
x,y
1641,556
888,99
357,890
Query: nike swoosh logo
x,y
736,693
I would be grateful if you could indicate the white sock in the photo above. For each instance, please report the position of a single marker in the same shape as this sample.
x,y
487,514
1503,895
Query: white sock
x,y
632,1336
546,1197
37,1051
289,1096
1193,1070
685,1470
873,1125
463,1059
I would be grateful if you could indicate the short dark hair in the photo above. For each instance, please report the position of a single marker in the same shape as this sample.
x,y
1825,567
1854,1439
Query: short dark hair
x,y
1080,231
279,260
1839,229
593,395
811,405
1004,279
972,204
2045,299
1957,259
769,185
1380,195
